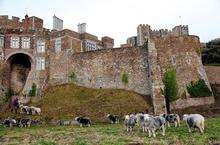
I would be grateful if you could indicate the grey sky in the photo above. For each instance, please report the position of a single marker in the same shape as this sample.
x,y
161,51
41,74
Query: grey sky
x,y
119,18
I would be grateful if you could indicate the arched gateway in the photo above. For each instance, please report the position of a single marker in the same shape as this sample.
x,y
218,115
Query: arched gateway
x,y
18,67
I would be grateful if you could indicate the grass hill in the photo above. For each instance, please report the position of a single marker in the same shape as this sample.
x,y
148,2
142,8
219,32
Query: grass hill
x,y
68,101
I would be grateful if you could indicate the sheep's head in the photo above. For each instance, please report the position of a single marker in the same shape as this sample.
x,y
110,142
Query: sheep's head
x,y
76,119
108,115
185,116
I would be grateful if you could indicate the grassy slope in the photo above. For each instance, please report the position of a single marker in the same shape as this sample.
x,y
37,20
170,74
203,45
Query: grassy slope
x,y
68,101
108,134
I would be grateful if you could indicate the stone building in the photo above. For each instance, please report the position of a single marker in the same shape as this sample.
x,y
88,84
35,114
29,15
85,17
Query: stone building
x,y
33,54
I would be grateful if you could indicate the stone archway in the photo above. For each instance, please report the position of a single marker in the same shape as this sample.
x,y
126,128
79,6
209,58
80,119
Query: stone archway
x,y
19,66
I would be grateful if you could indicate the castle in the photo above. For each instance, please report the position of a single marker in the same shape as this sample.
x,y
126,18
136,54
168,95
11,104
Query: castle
x,y
30,53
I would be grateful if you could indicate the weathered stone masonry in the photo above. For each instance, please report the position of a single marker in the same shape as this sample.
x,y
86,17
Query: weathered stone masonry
x,y
103,69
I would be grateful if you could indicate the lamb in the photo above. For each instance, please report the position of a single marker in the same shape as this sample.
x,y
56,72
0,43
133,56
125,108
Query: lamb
x,y
83,121
113,118
130,121
154,123
194,121
172,119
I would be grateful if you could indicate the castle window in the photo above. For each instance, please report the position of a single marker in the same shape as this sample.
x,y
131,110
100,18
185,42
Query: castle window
x,y
40,63
40,46
26,42
1,41
14,42
58,45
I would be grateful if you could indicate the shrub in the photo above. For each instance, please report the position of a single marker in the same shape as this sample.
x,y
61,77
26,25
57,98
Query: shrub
x,y
199,89
124,78
72,76
33,90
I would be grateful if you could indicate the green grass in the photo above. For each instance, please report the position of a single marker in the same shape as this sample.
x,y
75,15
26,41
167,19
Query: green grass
x,y
108,134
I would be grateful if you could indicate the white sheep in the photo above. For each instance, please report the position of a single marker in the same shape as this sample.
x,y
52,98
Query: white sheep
x,y
194,121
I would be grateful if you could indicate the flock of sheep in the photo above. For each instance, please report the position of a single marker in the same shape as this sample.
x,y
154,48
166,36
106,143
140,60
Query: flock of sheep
x,y
151,124
146,122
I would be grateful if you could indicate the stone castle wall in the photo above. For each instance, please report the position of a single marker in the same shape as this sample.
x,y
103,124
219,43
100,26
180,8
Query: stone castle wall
x,y
213,73
180,53
103,69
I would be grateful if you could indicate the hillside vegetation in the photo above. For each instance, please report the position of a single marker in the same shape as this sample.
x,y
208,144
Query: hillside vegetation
x,y
69,101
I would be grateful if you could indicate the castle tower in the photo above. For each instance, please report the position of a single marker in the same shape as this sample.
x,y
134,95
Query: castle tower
x,y
156,80
143,34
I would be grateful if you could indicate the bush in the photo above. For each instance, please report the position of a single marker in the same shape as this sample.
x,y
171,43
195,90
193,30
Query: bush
x,y
33,90
199,89
124,78
72,76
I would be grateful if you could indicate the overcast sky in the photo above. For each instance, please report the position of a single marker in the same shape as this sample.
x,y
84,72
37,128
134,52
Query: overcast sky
x,y
119,18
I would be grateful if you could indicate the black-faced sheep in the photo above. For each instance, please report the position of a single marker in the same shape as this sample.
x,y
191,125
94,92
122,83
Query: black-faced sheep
x,y
172,119
9,122
83,121
113,118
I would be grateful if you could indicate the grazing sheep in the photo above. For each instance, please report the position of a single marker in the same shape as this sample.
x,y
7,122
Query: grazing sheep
x,y
194,121
113,118
9,122
25,122
154,123
83,121
35,122
25,109
130,121
172,119
35,110
141,118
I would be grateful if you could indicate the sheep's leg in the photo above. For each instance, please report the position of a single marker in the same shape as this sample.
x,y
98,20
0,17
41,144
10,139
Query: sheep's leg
x,y
143,128
175,124
188,127
154,134
168,123
149,133
163,130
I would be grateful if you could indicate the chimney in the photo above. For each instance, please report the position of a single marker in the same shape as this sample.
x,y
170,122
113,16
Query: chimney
x,y
82,28
57,23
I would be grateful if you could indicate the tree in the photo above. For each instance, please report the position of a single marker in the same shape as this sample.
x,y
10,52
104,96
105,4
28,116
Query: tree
x,y
170,90
33,90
